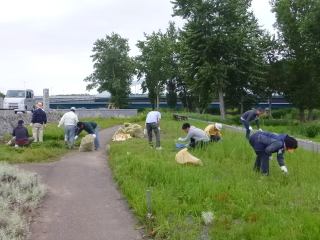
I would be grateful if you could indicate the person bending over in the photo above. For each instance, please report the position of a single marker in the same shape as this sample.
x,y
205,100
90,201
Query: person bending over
x,y
196,136
266,143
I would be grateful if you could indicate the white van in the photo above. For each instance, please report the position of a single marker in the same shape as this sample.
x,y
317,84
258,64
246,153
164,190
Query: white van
x,y
19,100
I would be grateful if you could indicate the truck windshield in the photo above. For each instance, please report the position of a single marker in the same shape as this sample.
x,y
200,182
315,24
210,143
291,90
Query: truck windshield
x,y
16,94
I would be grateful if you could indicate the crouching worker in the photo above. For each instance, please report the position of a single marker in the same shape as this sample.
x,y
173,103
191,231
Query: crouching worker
x,y
20,136
90,128
213,132
266,143
196,136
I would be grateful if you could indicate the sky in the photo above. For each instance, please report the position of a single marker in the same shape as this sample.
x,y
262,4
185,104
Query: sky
x,y
47,44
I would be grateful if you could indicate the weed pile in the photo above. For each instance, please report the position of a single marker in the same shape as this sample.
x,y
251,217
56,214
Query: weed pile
x,y
20,192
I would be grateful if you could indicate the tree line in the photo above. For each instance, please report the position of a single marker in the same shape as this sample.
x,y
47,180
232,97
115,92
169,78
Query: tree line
x,y
220,53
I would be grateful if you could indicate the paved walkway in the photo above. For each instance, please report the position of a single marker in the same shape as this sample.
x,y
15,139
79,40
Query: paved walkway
x,y
82,202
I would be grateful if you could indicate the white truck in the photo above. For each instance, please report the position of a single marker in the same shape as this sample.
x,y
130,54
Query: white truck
x,y
19,100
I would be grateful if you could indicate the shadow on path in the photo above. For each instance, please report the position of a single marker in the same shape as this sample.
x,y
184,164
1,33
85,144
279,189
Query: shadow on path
x,y
82,202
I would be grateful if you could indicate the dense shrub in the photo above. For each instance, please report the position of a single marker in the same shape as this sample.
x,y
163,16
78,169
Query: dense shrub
x,y
275,122
310,130
20,192
282,113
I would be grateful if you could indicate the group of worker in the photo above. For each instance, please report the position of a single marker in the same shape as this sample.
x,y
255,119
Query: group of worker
x,y
263,143
72,128
20,132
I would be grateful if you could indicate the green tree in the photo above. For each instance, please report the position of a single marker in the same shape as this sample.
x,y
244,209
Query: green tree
x,y
2,95
113,69
220,39
298,25
154,65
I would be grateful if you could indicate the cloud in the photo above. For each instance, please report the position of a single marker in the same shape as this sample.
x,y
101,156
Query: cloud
x,y
47,44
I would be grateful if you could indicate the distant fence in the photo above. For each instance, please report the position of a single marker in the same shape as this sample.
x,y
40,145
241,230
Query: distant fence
x,y
107,113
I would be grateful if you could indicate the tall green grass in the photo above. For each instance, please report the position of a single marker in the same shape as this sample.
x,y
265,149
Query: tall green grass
x,y
245,204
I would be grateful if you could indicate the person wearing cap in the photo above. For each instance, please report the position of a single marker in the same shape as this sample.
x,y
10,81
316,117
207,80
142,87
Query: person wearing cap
x,y
153,124
20,136
39,120
197,136
90,128
266,143
213,132
249,116
69,120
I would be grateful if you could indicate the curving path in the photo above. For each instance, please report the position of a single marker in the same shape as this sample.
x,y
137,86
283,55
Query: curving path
x,y
82,202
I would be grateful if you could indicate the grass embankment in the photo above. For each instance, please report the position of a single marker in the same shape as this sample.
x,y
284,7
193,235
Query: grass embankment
x,y
245,204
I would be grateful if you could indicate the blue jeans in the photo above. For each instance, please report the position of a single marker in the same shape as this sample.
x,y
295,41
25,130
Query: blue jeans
x,y
246,125
70,133
96,140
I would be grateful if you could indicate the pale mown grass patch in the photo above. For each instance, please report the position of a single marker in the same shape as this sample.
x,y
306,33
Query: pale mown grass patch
x,y
20,192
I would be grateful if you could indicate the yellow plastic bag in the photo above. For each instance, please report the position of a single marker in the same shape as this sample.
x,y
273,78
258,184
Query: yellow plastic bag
x,y
184,156
87,143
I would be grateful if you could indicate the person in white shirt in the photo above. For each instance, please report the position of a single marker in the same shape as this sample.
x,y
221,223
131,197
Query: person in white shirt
x,y
153,123
69,120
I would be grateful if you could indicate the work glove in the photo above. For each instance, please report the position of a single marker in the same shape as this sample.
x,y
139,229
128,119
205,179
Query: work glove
x,y
94,136
59,125
31,124
284,169
180,139
76,137
260,129
250,128
159,128
145,132
270,158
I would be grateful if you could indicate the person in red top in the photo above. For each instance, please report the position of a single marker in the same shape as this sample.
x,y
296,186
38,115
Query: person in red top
x,y
20,136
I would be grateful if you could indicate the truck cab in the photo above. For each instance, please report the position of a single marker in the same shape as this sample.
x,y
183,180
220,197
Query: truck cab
x,y
19,100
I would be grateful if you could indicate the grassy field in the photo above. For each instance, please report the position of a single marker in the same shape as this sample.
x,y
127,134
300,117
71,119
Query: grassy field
x,y
245,205
53,147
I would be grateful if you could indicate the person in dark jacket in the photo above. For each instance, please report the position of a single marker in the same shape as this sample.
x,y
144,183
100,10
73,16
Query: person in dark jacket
x,y
249,116
20,136
39,120
90,128
266,143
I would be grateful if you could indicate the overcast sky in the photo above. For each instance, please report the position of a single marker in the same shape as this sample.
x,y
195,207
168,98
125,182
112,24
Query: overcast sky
x,y
48,43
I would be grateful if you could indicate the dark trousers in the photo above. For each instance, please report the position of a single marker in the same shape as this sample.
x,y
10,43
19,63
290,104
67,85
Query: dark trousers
x,y
214,138
153,127
246,125
262,162
193,143
262,159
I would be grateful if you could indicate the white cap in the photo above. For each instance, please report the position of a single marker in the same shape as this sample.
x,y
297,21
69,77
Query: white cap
x,y
218,126
73,108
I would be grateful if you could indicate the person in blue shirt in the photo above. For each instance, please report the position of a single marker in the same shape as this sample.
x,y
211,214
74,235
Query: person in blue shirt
x,y
266,143
249,116
38,122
